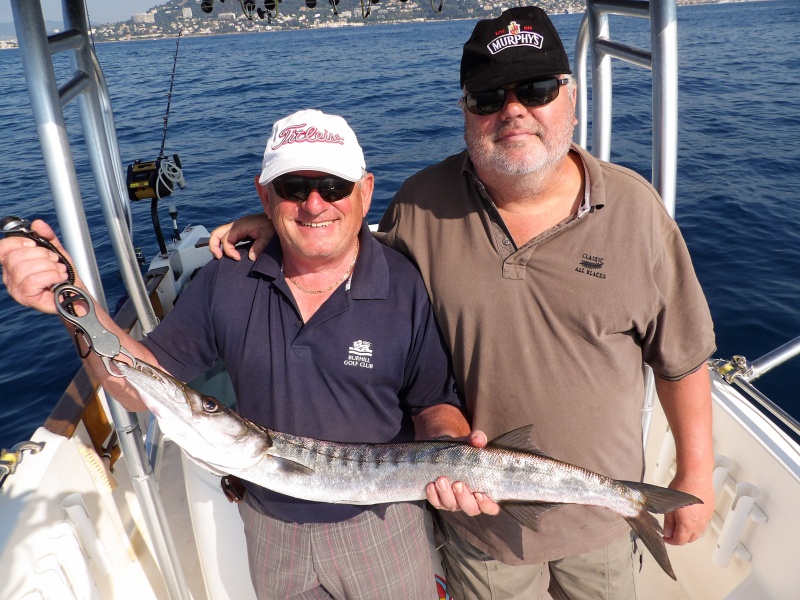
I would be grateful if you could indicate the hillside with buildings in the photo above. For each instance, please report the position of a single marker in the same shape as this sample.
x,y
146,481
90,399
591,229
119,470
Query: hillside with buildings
x,y
233,16
189,17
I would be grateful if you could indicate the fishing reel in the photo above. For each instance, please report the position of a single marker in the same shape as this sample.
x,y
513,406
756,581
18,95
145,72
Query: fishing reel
x,y
155,179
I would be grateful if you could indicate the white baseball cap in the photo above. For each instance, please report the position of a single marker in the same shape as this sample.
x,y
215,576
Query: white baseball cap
x,y
310,140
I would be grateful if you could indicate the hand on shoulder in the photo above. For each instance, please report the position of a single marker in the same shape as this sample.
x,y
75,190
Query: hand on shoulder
x,y
256,227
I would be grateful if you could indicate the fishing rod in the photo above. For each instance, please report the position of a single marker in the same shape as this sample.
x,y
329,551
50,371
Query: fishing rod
x,y
169,94
157,179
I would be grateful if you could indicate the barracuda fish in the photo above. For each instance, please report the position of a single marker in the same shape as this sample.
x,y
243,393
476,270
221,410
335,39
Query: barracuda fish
x,y
511,470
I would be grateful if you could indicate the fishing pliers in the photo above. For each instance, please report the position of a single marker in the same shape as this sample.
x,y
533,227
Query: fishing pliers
x,y
97,338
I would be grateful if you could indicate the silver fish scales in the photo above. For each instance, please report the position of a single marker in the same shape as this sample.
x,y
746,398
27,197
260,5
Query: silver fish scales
x,y
511,470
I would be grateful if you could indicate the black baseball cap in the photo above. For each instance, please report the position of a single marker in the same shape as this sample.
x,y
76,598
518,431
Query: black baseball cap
x,y
521,43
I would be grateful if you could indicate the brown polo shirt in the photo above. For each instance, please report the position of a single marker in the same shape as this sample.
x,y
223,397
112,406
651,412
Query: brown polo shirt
x,y
554,333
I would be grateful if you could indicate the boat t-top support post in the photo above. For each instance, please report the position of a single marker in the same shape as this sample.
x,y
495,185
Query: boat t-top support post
x,y
47,102
662,60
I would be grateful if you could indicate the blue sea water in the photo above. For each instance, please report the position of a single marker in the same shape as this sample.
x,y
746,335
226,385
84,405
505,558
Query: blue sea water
x,y
739,167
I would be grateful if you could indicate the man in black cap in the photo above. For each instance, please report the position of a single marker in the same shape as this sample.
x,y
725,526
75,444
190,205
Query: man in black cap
x,y
576,276
553,276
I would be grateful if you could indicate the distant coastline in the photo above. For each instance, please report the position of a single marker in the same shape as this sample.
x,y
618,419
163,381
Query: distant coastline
x,y
183,16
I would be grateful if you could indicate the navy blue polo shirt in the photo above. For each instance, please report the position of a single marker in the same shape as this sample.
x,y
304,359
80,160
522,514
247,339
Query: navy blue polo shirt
x,y
368,359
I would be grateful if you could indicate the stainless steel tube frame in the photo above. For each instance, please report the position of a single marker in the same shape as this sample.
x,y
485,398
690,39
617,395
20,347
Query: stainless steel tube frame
x,y
46,102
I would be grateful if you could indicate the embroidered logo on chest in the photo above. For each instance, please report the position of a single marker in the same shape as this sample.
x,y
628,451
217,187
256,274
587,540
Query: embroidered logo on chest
x,y
591,265
359,354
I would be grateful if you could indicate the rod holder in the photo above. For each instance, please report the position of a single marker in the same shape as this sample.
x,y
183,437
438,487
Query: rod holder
x,y
722,468
734,523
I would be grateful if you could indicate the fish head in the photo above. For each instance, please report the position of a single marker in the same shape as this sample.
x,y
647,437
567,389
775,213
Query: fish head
x,y
202,426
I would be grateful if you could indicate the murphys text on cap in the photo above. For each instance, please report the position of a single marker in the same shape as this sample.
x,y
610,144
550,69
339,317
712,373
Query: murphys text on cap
x,y
522,43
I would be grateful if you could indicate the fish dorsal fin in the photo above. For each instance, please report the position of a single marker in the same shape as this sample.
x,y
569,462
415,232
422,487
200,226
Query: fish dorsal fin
x,y
527,513
290,467
517,440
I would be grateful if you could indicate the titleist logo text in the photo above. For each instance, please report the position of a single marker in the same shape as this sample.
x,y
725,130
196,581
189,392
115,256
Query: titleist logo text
x,y
299,133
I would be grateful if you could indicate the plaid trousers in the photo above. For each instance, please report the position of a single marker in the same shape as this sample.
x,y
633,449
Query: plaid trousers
x,y
370,556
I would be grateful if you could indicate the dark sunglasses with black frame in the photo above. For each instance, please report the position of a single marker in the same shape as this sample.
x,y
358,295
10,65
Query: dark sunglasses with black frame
x,y
530,93
299,187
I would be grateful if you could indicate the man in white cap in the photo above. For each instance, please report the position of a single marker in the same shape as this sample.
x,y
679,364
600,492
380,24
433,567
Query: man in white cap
x,y
329,334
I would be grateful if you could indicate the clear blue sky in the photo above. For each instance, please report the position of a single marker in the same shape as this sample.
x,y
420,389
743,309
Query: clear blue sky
x,y
100,11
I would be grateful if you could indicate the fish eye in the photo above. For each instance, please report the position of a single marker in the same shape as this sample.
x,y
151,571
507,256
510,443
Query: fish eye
x,y
209,405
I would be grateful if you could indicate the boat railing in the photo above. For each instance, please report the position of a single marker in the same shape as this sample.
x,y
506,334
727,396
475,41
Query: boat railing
x,y
594,39
87,86
661,59
741,373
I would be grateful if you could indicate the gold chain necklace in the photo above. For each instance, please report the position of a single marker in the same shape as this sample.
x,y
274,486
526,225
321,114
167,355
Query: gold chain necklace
x,y
333,285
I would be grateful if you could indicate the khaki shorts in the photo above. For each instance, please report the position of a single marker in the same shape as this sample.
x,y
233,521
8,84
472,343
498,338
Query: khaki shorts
x,y
609,573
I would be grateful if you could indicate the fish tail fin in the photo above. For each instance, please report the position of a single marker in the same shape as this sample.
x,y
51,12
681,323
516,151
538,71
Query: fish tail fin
x,y
649,530
659,500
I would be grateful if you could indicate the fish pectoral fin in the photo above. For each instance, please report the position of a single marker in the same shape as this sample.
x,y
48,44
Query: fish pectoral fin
x,y
519,439
527,513
291,467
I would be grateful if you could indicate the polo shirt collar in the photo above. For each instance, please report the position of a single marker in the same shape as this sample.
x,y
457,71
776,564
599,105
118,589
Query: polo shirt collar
x,y
370,279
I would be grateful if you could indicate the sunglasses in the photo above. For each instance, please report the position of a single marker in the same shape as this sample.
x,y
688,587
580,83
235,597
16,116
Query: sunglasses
x,y
298,187
535,92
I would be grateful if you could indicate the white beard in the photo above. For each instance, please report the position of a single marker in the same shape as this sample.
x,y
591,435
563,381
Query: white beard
x,y
535,160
